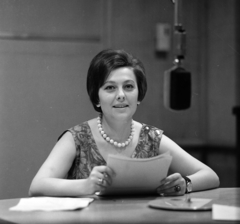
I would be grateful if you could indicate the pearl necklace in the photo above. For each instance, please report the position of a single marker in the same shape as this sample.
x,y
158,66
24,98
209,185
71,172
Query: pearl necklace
x,y
111,141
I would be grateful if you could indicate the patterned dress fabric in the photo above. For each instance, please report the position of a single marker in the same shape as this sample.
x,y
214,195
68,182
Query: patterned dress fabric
x,y
88,155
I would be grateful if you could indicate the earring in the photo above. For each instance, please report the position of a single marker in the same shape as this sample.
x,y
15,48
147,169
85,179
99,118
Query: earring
x,y
98,105
138,103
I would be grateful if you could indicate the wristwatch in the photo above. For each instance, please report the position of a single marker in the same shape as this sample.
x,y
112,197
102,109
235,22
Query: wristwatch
x,y
188,185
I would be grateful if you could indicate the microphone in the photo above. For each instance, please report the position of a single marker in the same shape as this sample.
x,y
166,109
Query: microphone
x,y
177,87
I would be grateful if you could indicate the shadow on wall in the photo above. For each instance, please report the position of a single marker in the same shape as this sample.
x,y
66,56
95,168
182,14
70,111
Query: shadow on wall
x,y
222,160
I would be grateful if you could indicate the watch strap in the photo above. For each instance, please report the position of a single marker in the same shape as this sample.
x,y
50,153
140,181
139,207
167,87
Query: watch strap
x,y
188,182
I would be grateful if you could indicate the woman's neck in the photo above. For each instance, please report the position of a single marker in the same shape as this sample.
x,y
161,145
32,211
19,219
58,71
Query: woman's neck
x,y
118,130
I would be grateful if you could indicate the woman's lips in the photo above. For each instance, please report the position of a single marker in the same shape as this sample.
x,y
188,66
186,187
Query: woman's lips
x,y
120,106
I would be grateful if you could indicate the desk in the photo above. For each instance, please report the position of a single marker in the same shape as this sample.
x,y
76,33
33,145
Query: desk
x,y
123,210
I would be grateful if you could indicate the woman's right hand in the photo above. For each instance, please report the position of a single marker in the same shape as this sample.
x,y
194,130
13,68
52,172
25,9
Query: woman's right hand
x,y
99,179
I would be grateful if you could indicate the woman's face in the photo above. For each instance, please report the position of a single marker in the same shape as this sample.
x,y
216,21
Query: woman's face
x,y
119,94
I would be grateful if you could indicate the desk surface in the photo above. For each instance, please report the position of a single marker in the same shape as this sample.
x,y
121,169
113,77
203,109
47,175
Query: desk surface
x,y
123,210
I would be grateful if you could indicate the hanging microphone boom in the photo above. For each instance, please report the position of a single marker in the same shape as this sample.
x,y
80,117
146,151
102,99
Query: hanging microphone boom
x,y
177,80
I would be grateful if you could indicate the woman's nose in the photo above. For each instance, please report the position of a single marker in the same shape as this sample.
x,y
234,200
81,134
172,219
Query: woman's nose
x,y
120,95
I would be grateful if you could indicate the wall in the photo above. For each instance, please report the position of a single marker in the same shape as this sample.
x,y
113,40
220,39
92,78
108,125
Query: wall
x,y
222,54
42,79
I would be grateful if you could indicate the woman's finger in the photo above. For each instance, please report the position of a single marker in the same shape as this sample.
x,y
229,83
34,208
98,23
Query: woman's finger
x,y
171,178
103,175
105,170
104,180
175,190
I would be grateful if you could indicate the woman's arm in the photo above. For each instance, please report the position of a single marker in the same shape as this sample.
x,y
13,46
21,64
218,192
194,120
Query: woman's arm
x,y
49,180
183,164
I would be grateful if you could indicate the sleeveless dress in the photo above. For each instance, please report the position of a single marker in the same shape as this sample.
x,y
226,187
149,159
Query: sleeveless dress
x,y
88,155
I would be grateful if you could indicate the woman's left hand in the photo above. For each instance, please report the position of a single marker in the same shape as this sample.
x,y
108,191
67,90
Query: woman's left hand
x,y
172,185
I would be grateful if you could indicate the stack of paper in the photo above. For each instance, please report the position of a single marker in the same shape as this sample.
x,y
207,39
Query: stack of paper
x,y
134,176
51,204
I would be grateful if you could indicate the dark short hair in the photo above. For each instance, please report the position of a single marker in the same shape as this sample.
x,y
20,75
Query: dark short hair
x,y
104,63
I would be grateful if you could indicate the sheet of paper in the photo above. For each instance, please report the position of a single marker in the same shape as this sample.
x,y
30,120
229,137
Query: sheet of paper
x,y
51,204
137,175
225,212
176,203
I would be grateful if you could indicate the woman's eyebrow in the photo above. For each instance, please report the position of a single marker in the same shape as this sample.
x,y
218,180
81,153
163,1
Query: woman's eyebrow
x,y
130,80
112,82
108,83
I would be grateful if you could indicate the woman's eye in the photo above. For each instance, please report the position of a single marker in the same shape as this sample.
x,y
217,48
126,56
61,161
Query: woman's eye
x,y
129,87
109,88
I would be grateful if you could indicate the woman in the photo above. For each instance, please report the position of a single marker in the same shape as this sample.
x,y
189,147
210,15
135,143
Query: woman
x,y
116,85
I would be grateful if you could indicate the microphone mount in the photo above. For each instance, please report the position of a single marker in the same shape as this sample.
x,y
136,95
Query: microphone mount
x,y
179,32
